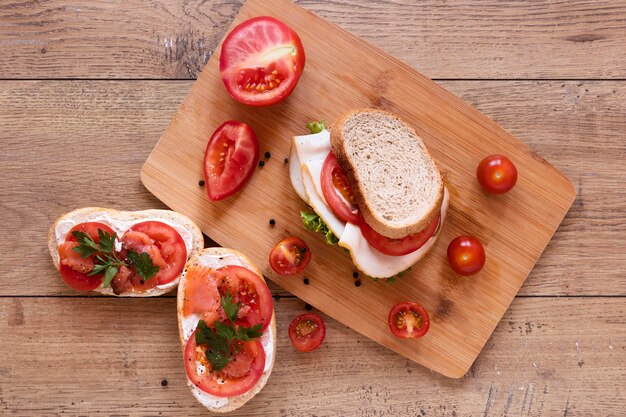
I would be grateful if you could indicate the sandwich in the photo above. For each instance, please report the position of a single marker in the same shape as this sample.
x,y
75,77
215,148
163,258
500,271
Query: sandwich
x,y
373,189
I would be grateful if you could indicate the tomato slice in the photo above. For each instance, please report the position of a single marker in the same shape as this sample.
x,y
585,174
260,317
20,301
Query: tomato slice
x,y
236,378
249,291
408,320
229,159
307,332
73,268
290,256
164,245
337,191
261,61
398,247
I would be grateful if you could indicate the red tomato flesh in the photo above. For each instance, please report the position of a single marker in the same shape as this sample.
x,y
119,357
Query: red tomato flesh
x,y
398,247
307,332
497,174
408,320
238,377
261,61
466,255
230,158
337,191
290,256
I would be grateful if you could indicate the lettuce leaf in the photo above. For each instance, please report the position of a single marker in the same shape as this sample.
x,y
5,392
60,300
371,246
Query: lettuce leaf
x,y
313,222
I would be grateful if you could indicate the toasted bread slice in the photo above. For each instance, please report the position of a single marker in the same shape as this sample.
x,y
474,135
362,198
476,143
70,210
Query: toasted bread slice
x,y
60,228
216,258
396,182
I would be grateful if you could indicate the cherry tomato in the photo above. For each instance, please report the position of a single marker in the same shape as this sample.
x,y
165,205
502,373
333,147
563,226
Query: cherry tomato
x,y
408,320
496,174
337,191
261,61
290,256
466,255
238,377
230,158
307,332
398,247
74,269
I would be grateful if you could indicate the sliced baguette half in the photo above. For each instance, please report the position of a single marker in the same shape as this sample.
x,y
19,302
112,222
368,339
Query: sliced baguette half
x,y
120,221
215,258
397,184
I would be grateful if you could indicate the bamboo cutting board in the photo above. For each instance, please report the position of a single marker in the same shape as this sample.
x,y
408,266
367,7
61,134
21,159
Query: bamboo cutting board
x,y
343,72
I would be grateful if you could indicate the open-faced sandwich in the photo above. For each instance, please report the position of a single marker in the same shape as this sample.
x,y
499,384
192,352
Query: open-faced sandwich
x,y
374,188
124,253
227,328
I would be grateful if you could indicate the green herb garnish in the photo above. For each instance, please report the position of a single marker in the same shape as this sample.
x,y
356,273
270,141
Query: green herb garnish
x,y
316,127
107,261
313,222
225,340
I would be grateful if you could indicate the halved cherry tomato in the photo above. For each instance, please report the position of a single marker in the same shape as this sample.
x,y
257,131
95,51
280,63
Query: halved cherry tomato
x,y
229,159
337,191
408,320
249,291
73,268
261,61
290,256
496,174
398,247
164,245
466,255
238,377
307,332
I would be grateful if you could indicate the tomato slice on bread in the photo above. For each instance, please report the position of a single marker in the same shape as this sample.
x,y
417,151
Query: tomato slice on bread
x,y
399,247
307,332
237,377
337,191
290,256
229,159
408,320
261,61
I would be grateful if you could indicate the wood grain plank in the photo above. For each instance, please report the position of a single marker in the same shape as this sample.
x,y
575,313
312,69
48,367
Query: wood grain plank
x,y
46,127
460,39
546,358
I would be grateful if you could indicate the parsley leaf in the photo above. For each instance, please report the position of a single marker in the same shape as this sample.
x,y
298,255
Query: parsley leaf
x,y
107,241
142,264
249,333
86,246
231,309
110,273
316,127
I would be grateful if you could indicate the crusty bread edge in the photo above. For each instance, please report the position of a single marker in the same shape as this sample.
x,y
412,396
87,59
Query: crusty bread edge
x,y
89,213
236,402
376,222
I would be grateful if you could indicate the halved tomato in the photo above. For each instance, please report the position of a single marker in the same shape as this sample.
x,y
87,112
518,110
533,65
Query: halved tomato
x,y
337,191
249,291
238,377
261,61
407,320
229,159
398,247
164,245
307,332
290,256
73,268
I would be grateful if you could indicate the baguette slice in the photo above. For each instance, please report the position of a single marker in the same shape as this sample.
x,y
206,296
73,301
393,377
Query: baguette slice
x,y
59,229
216,258
396,182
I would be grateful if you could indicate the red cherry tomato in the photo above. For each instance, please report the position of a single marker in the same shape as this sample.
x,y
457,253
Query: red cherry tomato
x,y
74,269
307,332
466,255
261,61
337,191
398,247
408,320
238,377
496,174
290,256
230,158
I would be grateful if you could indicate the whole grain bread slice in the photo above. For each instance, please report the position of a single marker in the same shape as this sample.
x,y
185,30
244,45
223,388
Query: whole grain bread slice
x,y
397,184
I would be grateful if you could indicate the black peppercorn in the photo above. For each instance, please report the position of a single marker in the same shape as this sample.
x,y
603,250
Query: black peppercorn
x,y
306,281
268,155
261,163
272,222
357,283
201,183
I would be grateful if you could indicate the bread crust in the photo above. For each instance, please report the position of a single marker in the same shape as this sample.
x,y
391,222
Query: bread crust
x,y
238,401
87,214
377,222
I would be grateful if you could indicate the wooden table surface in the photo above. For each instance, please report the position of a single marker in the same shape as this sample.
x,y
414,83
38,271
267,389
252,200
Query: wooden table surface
x,y
86,89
